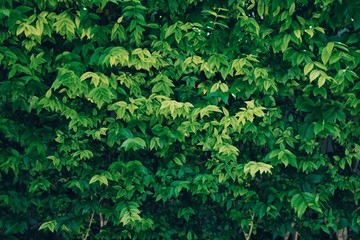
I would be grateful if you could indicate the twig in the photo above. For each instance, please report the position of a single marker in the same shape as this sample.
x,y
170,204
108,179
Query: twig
x,y
342,234
101,220
287,236
248,235
296,235
355,168
89,227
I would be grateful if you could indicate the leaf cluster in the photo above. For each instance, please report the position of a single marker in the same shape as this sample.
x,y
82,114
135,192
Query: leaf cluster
x,y
180,119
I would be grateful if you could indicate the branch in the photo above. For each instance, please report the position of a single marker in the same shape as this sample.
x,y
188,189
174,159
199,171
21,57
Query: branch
x,y
248,235
355,168
89,227
287,236
342,234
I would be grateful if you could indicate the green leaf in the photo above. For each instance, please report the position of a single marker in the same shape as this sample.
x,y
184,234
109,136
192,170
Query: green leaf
x,y
129,212
223,87
133,143
142,119
170,30
326,52
298,34
321,81
292,158
95,79
115,56
178,161
292,9
318,128
48,93
185,213
261,8
50,225
298,204
215,87
285,42
101,95
314,74
5,12
64,25
308,67
254,167
100,179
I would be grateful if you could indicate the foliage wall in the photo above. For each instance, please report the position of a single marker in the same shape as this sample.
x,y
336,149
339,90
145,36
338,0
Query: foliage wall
x,y
181,119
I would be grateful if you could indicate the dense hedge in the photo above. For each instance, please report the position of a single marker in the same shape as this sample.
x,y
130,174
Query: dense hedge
x,y
180,119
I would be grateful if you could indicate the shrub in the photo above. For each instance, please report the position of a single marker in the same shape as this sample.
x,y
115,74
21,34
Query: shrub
x,y
193,119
